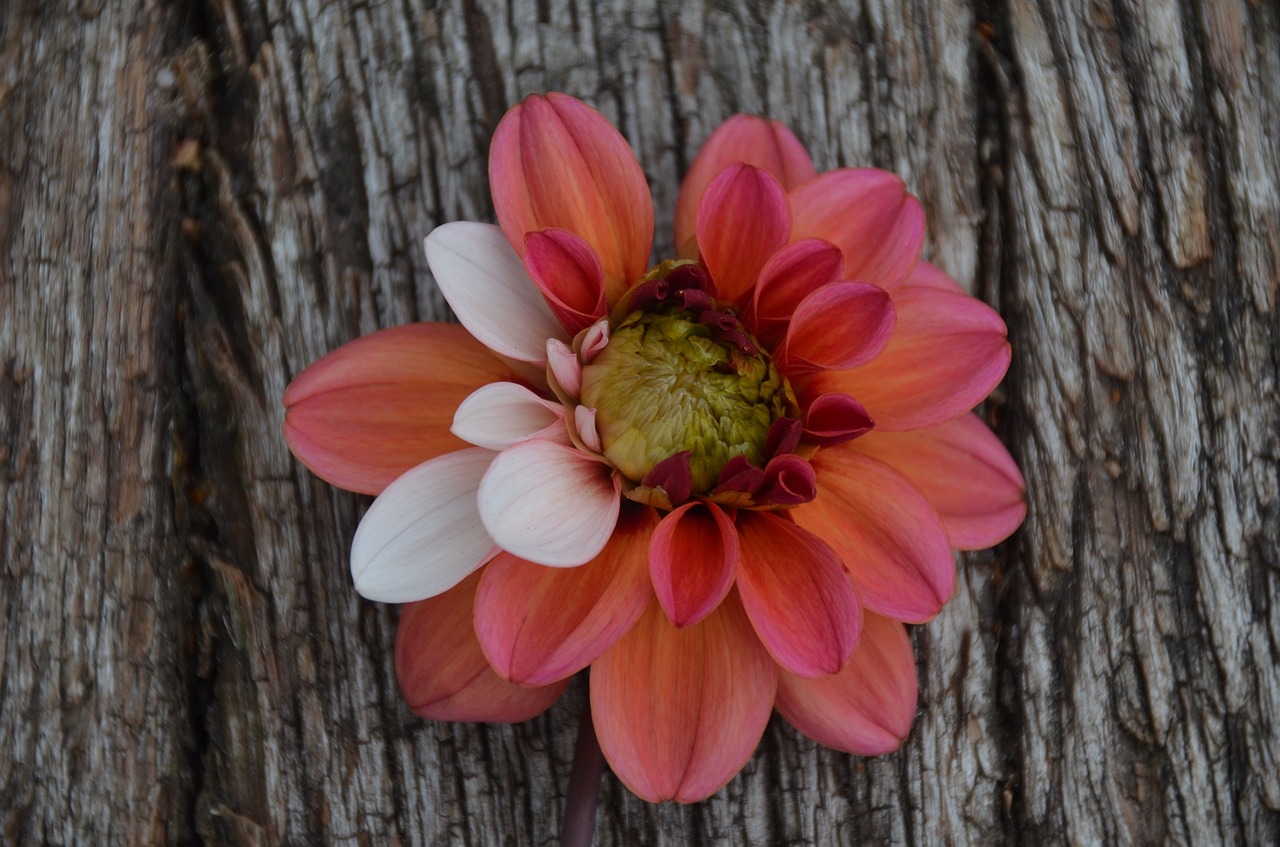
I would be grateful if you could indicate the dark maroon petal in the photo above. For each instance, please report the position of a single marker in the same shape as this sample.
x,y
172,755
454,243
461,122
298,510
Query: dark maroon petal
x,y
835,418
672,475
788,481
783,437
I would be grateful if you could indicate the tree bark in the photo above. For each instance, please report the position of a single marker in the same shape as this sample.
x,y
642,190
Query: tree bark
x,y
199,198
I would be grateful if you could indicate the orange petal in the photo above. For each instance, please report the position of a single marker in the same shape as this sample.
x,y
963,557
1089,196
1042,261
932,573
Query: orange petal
x,y
693,558
443,673
885,531
867,708
679,711
964,471
539,624
797,595
382,404
947,352
557,163
749,139
742,222
869,215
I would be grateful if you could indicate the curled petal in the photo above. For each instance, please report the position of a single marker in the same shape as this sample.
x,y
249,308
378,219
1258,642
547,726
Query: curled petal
x,y
568,273
673,475
503,413
565,367
488,289
539,624
947,352
965,472
549,503
788,481
792,274
768,145
693,559
557,163
839,326
679,711
867,707
444,675
885,531
423,535
377,406
869,215
742,222
796,592
834,419
584,421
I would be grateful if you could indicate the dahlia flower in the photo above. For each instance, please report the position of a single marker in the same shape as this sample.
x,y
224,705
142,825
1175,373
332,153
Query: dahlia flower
x,y
724,482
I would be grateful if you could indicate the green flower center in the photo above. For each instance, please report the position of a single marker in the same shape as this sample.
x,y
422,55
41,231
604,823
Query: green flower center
x,y
665,384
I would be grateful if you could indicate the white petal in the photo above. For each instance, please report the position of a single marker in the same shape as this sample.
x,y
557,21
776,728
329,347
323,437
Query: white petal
x,y
500,414
423,535
549,504
584,418
488,289
565,366
592,340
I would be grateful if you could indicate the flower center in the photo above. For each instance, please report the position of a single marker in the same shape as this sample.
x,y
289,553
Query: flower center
x,y
683,377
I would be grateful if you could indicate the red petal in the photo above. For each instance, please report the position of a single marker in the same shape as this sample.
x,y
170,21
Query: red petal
x,y
568,273
885,531
946,354
679,711
964,471
834,419
839,326
443,673
797,595
539,624
382,404
768,145
869,215
866,708
794,272
742,222
557,163
693,558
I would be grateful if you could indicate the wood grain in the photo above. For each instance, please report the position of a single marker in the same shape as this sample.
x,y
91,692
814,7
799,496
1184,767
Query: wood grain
x,y
199,198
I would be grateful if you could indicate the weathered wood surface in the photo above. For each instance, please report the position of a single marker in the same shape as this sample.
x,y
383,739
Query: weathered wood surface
x,y
197,199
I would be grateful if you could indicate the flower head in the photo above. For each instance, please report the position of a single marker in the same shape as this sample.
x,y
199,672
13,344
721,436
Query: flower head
x,y
723,482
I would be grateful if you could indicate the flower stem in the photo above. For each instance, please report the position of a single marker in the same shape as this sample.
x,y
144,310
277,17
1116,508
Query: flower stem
x,y
580,806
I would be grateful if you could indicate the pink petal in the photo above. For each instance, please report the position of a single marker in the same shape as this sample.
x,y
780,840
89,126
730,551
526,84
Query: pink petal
x,y
792,274
869,215
565,367
488,289
839,326
443,673
693,559
550,504
797,595
423,535
946,354
500,414
964,471
742,222
867,708
568,273
768,145
377,406
885,531
679,711
539,624
926,275
556,163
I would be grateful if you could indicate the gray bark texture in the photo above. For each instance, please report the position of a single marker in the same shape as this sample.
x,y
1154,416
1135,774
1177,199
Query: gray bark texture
x,y
199,198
